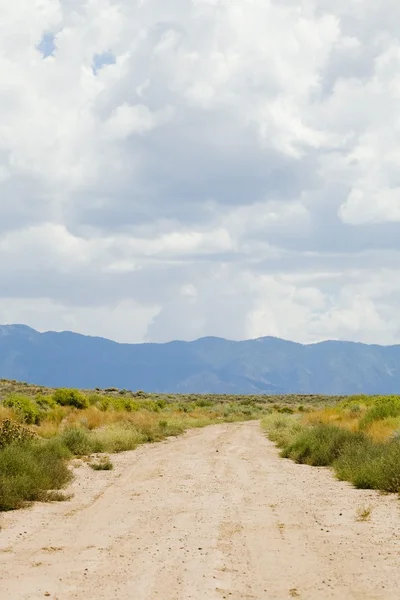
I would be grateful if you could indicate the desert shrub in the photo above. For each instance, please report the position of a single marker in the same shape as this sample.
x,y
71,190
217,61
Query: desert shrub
x,y
93,398
170,427
247,402
369,465
26,408
149,405
12,432
130,405
69,397
45,403
116,438
117,403
103,403
77,441
204,402
320,445
28,471
104,464
286,409
383,408
354,410
282,430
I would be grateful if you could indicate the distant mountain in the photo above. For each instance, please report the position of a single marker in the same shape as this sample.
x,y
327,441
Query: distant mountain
x,y
209,365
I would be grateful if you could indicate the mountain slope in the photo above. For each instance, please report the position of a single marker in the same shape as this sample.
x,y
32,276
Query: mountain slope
x,y
266,365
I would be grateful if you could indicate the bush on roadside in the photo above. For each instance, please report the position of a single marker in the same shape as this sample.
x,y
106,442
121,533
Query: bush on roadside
x,y
369,465
29,470
354,455
320,445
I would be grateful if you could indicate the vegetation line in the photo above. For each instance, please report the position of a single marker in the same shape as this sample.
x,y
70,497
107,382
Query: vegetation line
x,y
359,438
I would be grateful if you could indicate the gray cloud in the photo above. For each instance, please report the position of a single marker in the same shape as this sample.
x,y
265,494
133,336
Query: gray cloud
x,y
173,170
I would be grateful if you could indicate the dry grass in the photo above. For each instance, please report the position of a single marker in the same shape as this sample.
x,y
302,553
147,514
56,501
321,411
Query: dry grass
x,y
333,416
363,513
6,413
382,431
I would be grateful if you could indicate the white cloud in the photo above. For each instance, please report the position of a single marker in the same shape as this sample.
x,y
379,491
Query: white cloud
x,y
231,169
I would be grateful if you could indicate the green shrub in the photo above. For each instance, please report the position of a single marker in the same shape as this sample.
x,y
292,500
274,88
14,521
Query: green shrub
x,y
77,441
370,466
45,403
26,408
130,405
93,398
247,402
68,397
204,402
116,438
104,403
282,429
28,471
382,409
320,445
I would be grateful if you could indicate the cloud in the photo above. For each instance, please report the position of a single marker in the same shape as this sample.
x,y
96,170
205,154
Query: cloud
x,y
203,167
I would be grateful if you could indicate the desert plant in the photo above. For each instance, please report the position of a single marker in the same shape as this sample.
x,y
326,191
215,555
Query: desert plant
x,y
28,471
12,432
363,513
25,407
69,397
320,445
383,408
77,441
104,464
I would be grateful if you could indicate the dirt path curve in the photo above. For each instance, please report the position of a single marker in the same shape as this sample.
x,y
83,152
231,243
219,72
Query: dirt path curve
x,y
213,514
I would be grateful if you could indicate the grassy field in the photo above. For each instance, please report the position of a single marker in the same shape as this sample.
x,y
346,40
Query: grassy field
x,y
359,438
42,428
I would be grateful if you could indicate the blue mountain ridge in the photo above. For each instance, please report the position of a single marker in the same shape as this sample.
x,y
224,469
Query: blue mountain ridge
x,y
265,365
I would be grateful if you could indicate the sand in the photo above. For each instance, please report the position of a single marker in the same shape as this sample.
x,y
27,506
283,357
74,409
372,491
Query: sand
x,y
215,513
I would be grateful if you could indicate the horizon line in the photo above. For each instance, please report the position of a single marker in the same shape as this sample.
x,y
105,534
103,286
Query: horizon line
x,y
181,341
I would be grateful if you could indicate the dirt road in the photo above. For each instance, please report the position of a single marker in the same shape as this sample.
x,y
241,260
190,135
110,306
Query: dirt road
x,y
213,514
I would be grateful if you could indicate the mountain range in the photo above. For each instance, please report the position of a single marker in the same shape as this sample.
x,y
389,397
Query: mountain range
x,y
266,365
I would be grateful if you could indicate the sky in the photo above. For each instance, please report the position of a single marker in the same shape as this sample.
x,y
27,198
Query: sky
x,y
173,170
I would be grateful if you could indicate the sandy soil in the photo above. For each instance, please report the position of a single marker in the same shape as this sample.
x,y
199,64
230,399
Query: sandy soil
x,y
213,514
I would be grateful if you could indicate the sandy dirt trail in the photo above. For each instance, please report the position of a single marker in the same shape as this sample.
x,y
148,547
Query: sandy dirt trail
x,y
213,514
